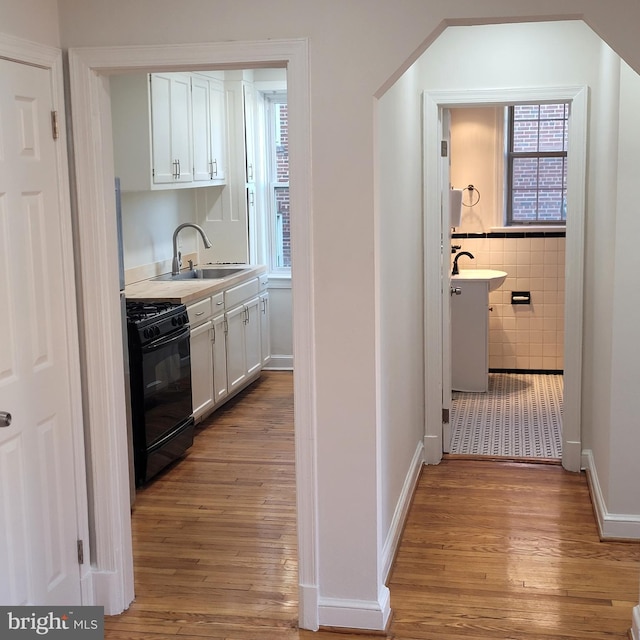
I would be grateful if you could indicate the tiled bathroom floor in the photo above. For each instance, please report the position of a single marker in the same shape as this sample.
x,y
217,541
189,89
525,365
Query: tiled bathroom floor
x,y
520,416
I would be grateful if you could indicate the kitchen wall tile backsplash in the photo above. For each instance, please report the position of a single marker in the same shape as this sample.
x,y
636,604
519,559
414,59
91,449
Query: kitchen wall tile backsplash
x,y
524,336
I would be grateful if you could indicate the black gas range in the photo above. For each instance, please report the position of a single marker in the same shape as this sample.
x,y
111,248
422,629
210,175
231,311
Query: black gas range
x,y
160,380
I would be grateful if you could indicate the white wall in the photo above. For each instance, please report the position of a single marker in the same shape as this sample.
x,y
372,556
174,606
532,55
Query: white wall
x,y
35,20
401,321
357,49
466,58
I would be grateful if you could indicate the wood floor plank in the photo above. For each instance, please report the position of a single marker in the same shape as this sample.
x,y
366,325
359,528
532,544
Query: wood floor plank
x,y
490,551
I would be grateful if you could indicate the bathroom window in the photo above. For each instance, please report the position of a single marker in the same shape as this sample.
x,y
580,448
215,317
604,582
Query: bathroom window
x,y
278,178
537,137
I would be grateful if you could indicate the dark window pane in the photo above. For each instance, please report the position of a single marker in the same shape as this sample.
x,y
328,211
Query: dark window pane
x,y
525,136
551,173
552,135
525,173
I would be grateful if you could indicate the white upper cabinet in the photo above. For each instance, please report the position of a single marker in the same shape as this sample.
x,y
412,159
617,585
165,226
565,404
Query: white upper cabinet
x,y
171,128
169,131
209,130
249,103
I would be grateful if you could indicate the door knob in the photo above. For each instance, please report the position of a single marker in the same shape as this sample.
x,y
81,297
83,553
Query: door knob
x,y
456,291
5,419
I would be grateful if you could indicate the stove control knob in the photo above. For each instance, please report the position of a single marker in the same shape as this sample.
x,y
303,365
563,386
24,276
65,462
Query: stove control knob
x,y
156,331
174,321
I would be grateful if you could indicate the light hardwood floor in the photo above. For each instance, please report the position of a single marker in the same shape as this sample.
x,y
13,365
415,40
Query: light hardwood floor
x,y
490,550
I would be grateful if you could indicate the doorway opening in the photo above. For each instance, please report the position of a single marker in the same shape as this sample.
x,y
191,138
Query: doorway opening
x,y
509,165
437,108
96,234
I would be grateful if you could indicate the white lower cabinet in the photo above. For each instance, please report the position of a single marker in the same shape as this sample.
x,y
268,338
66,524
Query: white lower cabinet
x,y
228,343
202,369
265,328
244,351
220,384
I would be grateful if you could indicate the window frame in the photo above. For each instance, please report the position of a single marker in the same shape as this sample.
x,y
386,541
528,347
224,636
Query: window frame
x,y
271,100
510,155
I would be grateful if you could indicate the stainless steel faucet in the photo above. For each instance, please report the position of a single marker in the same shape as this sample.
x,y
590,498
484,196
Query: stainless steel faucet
x,y
175,263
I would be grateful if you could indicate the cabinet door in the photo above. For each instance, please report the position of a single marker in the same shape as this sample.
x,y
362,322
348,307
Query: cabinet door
x,y
253,350
218,131
236,354
163,160
249,131
220,390
202,369
265,329
200,109
171,128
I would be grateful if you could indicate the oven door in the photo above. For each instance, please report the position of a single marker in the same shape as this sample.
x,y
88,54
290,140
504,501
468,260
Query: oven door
x,y
166,380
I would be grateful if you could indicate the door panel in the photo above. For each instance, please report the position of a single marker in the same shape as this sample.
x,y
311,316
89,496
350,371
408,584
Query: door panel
x,y
38,519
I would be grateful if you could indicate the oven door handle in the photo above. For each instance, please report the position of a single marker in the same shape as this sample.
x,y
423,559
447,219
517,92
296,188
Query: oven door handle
x,y
161,342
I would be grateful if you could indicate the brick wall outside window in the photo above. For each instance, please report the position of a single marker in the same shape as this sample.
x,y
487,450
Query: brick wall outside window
x,y
282,176
538,136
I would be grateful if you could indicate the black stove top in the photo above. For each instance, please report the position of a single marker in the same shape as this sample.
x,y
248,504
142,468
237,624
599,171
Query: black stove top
x,y
148,321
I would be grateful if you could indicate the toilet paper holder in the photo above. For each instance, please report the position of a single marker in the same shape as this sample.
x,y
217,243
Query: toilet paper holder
x,y
521,297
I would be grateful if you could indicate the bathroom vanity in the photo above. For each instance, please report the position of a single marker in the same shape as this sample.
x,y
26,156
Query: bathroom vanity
x,y
470,327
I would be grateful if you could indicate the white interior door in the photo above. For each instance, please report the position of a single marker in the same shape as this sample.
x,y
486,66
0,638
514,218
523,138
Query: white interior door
x,y
38,518
446,283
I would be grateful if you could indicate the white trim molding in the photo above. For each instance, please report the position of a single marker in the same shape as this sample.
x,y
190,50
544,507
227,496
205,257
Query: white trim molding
x,y
611,526
635,629
433,104
89,69
402,510
356,614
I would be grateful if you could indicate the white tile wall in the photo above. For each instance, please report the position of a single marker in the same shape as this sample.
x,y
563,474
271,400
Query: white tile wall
x,y
523,336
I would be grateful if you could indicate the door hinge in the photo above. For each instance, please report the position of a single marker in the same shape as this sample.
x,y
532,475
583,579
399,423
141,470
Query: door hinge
x,y
55,129
80,552
444,149
445,416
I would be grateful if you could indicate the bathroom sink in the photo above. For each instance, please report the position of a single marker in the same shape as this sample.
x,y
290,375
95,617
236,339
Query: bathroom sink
x,y
492,276
205,273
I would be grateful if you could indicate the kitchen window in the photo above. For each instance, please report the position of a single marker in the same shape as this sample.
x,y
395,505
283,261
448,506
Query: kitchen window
x,y
278,180
537,137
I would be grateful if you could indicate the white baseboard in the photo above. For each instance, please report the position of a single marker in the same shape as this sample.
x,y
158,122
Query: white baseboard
x,y
432,449
402,509
635,625
108,589
372,615
279,363
308,607
610,525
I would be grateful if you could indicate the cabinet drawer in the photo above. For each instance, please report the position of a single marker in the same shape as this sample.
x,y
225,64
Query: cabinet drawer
x,y
217,302
199,312
264,281
241,292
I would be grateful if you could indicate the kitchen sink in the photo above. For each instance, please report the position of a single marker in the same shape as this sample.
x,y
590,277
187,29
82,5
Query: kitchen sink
x,y
204,273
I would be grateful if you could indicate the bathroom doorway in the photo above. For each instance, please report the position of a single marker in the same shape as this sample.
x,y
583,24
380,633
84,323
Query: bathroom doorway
x,y
560,400
520,413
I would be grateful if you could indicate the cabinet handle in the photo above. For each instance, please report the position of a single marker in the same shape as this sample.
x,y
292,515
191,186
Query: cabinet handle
x,y
250,172
199,313
213,334
214,168
219,303
226,326
178,176
175,169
